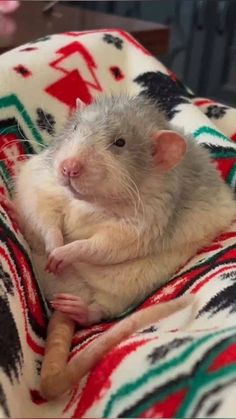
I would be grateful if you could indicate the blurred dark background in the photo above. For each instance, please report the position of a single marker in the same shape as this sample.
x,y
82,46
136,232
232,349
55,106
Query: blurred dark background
x,y
203,39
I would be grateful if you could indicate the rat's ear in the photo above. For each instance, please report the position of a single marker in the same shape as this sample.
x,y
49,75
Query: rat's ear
x,y
80,105
168,149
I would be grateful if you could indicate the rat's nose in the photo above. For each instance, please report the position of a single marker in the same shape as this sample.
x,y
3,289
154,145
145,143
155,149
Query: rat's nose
x,y
71,167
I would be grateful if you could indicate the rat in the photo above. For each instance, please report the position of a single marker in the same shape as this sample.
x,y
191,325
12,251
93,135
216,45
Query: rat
x,y
116,205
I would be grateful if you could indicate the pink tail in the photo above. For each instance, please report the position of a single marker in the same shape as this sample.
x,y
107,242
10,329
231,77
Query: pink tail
x,y
90,356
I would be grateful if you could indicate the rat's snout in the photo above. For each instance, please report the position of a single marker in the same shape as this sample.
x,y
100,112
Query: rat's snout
x,y
71,167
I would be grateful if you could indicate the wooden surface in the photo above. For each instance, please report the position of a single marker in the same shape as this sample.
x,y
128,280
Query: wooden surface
x,y
31,23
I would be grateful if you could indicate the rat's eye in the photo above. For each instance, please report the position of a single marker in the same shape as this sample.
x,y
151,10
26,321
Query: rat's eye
x,y
120,142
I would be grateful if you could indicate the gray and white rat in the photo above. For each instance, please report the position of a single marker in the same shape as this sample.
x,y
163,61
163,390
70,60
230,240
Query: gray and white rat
x,y
114,206
119,201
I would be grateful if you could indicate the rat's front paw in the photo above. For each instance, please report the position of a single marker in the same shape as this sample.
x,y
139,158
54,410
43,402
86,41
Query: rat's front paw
x,y
58,260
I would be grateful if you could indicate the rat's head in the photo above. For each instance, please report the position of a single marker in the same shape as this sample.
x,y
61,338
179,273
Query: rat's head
x,y
110,147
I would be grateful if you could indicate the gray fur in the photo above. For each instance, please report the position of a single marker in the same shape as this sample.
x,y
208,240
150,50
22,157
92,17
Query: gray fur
x,y
194,181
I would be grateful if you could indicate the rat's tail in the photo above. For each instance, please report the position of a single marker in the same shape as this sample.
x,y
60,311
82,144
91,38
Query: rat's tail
x,y
59,336
54,385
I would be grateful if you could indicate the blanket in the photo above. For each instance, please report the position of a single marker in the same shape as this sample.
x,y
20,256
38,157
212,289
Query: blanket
x,y
170,369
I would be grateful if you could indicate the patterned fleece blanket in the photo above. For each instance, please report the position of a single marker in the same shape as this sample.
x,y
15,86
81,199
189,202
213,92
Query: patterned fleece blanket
x,y
170,369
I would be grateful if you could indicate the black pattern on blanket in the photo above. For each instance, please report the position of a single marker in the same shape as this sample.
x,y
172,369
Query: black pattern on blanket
x,y
165,370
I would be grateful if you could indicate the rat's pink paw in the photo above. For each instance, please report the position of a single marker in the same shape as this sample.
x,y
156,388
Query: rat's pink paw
x,y
58,260
72,306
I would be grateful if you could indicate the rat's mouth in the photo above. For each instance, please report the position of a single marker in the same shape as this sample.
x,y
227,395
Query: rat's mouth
x,y
73,190
79,193
67,183
77,189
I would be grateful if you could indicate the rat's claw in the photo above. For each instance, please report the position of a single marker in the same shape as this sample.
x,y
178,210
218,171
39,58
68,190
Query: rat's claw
x,y
60,258
64,297
72,306
57,260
